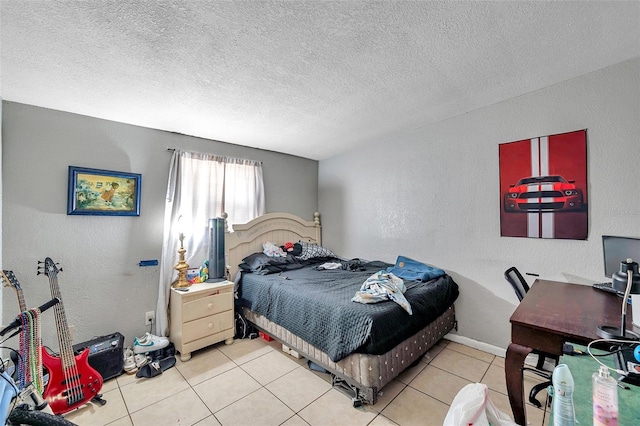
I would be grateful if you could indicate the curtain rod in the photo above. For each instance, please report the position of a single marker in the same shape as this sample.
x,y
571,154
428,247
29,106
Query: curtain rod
x,y
236,158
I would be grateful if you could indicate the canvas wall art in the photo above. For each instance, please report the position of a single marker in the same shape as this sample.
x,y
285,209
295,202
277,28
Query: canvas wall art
x,y
543,187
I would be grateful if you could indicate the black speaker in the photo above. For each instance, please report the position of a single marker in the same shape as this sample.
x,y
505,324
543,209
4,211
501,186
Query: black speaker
x,y
216,249
106,354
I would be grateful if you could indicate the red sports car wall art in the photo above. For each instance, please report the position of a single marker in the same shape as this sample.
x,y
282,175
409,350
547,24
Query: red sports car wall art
x,y
543,194
543,187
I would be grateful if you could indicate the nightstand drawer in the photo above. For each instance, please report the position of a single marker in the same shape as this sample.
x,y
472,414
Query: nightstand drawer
x,y
206,306
206,326
209,340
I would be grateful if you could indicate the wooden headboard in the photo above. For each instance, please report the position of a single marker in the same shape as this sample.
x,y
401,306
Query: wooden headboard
x,y
275,227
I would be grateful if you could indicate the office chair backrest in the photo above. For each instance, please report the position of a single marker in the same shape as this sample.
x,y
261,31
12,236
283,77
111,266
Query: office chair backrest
x,y
518,283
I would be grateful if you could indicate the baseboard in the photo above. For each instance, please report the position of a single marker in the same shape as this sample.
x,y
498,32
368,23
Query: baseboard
x,y
476,344
530,360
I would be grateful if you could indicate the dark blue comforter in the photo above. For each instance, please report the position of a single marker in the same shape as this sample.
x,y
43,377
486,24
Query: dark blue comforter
x,y
316,306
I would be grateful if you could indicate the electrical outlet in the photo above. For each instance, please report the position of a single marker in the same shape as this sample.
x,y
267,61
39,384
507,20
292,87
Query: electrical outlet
x,y
149,317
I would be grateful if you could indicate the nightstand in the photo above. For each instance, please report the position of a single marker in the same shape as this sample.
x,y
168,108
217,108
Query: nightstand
x,y
201,316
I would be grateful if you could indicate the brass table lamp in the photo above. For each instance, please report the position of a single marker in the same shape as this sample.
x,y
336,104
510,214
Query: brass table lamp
x,y
182,265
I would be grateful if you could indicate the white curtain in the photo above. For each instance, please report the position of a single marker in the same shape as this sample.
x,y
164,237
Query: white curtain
x,y
203,186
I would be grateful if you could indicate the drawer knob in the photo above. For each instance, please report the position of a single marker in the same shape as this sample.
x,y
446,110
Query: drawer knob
x,y
210,325
210,305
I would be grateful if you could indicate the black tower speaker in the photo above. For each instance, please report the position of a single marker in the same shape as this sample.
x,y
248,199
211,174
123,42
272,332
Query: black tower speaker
x,y
216,250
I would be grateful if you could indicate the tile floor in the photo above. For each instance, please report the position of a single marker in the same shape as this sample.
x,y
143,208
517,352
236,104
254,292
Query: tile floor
x,y
252,382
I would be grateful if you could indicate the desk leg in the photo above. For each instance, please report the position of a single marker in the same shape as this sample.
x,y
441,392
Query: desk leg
x,y
514,362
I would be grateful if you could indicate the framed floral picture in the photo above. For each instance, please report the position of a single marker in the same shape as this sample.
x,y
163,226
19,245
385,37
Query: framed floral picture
x,y
103,192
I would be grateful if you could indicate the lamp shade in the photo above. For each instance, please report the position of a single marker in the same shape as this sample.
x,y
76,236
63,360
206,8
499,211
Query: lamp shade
x,y
620,278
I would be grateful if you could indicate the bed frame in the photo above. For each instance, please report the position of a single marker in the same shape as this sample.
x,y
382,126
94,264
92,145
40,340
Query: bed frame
x,y
359,375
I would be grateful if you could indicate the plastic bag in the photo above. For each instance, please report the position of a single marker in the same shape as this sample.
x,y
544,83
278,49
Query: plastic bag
x,y
472,406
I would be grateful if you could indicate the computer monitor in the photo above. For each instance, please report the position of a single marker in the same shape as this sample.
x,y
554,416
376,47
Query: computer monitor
x,y
617,250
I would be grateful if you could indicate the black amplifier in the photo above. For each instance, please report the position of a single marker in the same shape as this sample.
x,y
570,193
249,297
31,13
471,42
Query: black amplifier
x,y
106,354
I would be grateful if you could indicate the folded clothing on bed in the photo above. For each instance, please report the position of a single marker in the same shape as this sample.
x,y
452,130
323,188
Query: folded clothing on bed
x,y
410,269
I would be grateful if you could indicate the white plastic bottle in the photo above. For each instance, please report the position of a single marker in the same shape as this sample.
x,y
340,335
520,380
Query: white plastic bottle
x,y
605,398
563,410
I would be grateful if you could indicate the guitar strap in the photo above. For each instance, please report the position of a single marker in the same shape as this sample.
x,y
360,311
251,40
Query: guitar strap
x,y
30,369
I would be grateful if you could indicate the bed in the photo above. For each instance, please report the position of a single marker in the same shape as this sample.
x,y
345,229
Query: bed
x,y
363,346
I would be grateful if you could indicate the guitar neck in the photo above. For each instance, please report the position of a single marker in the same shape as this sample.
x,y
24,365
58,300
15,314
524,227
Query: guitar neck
x,y
21,302
11,280
64,337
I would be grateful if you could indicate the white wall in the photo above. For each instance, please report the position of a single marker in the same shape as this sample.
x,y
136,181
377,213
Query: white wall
x,y
432,194
103,288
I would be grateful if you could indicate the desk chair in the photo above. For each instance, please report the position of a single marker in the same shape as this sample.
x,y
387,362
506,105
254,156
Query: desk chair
x,y
520,286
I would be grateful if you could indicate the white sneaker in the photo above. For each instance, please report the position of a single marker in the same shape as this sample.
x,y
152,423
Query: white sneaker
x,y
130,366
141,360
150,342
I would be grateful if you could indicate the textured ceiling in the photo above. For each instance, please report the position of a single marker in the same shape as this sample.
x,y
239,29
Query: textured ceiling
x,y
309,78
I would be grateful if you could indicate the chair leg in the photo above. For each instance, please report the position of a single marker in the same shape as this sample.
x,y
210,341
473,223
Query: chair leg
x,y
534,391
540,364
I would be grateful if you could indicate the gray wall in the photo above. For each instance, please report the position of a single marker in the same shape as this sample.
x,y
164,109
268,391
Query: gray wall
x,y
103,288
432,194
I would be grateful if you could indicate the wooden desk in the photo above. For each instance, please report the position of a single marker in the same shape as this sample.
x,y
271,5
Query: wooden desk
x,y
551,314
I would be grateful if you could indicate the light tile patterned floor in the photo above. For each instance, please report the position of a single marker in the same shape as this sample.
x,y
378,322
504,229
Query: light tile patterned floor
x,y
252,382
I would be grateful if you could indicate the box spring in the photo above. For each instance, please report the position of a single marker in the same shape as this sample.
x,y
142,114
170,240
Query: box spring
x,y
365,372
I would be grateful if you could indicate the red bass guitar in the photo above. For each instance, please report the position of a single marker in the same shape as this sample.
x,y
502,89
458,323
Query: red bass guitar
x,y
72,381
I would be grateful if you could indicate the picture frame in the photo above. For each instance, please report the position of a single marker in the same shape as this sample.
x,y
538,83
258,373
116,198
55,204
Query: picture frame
x,y
544,187
103,192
